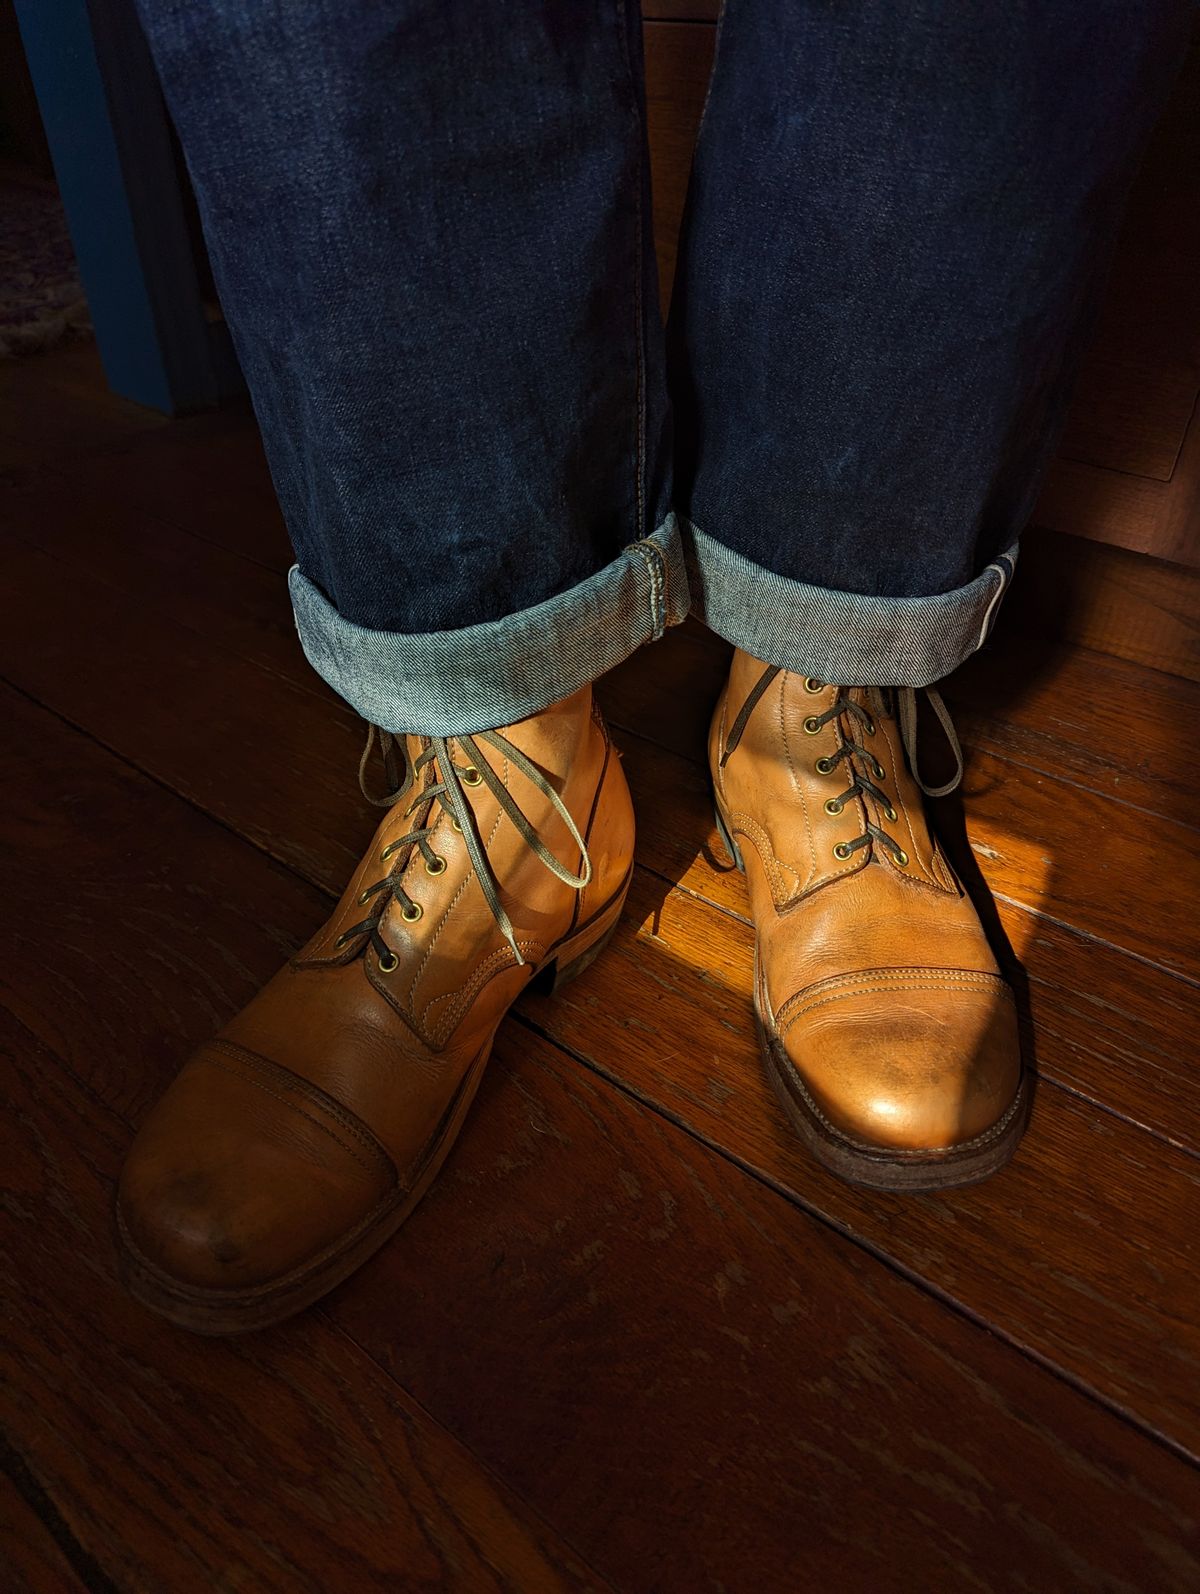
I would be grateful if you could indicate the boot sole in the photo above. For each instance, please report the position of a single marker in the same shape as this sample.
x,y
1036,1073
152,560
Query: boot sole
x,y
224,1312
877,1168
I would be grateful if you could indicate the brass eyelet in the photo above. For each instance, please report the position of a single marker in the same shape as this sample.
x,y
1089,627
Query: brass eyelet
x,y
391,965
430,864
901,858
364,896
870,726
880,772
340,942
412,913
454,825
890,812
812,725
842,850
833,806
471,776
387,852
811,684
824,766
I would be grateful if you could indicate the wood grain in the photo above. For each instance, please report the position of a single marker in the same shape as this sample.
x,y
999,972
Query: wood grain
x,y
689,1380
1075,590
33,1558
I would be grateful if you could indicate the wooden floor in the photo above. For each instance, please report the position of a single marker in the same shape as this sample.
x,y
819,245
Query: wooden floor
x,y
635,1339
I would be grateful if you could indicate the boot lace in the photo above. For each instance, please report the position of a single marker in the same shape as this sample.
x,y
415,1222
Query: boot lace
x,y
433,777
863,769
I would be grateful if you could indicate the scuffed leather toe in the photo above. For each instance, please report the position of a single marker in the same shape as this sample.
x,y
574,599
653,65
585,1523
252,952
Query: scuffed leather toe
x,y
906,1060
244,1172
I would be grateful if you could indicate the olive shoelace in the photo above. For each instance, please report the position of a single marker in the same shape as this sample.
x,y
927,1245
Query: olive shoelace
x,y
434,777
863,769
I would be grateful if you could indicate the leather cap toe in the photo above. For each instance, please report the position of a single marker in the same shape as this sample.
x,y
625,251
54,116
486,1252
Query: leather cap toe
x,y
244,1172
907,1064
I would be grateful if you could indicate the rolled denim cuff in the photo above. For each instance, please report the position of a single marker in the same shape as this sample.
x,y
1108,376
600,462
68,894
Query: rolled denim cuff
x,y
852,638
455,683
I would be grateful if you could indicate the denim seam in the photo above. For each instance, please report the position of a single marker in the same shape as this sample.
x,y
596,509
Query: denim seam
x,y
655,574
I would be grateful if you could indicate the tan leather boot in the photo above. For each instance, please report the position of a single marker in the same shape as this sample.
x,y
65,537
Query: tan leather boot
x,y
296,1142
884,1022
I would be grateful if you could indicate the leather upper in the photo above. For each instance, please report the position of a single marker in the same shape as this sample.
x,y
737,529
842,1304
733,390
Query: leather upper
x,y
325,1096
874,974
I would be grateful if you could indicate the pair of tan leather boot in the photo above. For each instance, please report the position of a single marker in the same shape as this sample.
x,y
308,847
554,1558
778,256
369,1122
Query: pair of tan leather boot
x,y
293,1145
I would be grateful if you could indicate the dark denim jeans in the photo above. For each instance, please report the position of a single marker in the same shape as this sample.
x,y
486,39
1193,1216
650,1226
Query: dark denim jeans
x,y
430,227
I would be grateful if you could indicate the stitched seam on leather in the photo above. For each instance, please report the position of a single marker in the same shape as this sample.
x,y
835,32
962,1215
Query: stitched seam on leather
x,y
745,825
411,1002
798,788
914,849
396,1195
444,920
577,905
900,975
264,1065
718,772
495,963
893,987
942,870
898,971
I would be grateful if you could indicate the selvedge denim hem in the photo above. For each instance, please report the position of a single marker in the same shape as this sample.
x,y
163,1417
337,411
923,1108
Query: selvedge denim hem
x,y
455,683
851,638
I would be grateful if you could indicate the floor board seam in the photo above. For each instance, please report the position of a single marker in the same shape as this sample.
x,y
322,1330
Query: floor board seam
x,y
42,1504
943,1298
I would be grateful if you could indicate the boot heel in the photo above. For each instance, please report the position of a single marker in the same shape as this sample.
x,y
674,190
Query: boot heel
x,y
563,973
577,955
731,846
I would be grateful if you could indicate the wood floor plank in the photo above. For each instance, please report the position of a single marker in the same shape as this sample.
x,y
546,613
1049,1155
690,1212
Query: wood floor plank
x,y
1116,727
206,475
267,759
34,1560
695,1384
1099,1226
58,407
